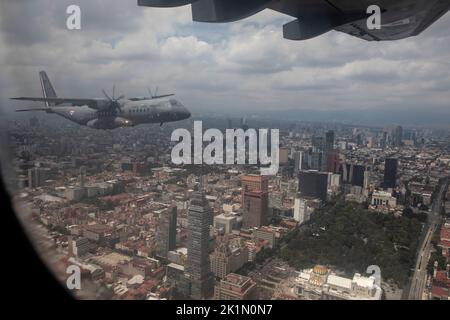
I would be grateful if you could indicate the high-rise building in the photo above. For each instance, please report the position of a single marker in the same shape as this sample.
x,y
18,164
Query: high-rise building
x,y
82,176
390,173
317,160
198,269
329,141
228,256
252,182
333,162
303,208
166,235
36,177
398,136
366,180
358,175
283,156
298,161
313,184
317,143
384,140
236,287
255,200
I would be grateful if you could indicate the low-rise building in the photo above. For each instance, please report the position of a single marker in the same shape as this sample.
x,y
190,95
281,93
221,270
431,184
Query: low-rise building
x,y
235,287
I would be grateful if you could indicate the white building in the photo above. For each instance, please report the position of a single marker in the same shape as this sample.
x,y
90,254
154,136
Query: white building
x,y
225,222
321,284
383,199
303,208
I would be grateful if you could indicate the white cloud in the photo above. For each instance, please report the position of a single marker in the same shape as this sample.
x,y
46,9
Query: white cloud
x,y
245,65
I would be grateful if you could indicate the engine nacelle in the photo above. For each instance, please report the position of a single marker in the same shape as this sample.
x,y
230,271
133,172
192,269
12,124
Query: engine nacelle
x,y
113,123
122,122
164,3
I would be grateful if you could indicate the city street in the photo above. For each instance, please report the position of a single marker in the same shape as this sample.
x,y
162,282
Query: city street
x,y
419,279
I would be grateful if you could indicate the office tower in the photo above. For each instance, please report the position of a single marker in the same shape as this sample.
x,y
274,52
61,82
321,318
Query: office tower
x,y
166,235
390,173
318,153
255,200
236,287
359,140
346,171
255,207
383,140
229,255
220,259
82,176
78,246
316,160
313,184
358,175
317,144
36,177
329,141
298,161
198,269
398,136
283,156
334,181
366,180
252,182
333,162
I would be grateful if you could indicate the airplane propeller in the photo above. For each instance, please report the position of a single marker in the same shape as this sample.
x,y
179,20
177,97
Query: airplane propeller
x,y
153,95
115,104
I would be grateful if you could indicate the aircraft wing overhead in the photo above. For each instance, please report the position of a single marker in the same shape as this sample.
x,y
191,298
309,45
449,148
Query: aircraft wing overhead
x,y
400,18
398,22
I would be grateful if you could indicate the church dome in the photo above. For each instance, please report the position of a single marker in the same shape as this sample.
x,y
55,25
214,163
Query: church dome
x,y
321,270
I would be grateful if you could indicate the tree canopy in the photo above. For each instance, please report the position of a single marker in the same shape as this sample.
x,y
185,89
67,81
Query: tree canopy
x,y
348,237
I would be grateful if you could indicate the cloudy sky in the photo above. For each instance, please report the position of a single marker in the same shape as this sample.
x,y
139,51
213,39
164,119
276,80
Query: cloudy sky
x,y
239,68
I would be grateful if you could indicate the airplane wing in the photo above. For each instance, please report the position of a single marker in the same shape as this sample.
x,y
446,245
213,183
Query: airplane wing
x,y
93,103
397,25
151,98
400,18
33,109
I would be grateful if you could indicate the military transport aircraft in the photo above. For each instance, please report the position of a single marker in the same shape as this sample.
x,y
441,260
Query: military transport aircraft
x,y
109,113
399,18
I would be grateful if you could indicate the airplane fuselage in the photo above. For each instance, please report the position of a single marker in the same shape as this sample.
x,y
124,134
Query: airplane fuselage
x,y
131,113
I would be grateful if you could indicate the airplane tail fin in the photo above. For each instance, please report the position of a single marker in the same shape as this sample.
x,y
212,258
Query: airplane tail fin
x,y
47,88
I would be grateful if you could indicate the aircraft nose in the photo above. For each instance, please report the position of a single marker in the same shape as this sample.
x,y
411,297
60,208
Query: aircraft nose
x,y
186,113
183,111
